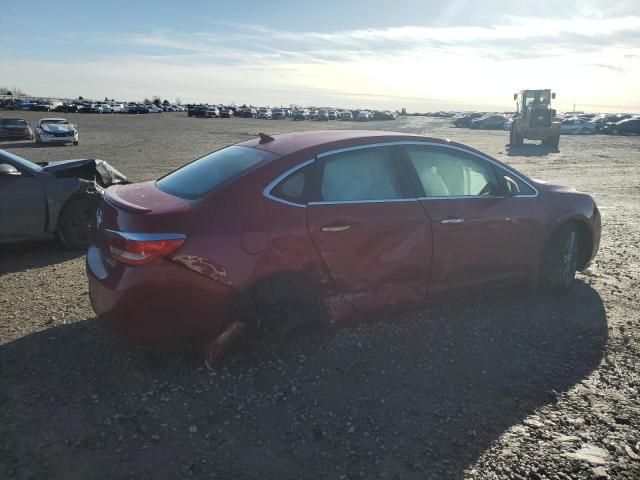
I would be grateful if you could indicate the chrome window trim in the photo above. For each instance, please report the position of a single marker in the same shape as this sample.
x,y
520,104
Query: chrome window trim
x,y
344,202
443,145
267,191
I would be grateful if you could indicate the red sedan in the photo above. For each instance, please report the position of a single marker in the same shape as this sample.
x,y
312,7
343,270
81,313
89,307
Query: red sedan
x,y
278,231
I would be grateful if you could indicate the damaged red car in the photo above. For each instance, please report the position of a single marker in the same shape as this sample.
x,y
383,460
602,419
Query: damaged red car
x,y
278,231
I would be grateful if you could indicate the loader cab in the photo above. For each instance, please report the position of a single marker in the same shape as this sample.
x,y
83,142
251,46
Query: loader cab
x,y
534,106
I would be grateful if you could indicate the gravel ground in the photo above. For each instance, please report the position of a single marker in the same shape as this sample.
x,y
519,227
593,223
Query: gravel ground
x,y
512,385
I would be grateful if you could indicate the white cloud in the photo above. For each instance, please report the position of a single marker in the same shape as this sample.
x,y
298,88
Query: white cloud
x,y
591,62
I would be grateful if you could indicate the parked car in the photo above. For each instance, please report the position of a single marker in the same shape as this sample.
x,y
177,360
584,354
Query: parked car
x,y
301,114
278,114
323,115
333,114
364,116
56,130
264,113
313,114
15,129
154,108
334,225
384,115
227,112
52,198
577,126
207,112
489,122
466,119
630,126
346,116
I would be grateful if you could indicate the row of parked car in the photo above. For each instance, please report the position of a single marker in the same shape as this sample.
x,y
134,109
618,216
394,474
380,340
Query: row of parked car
x,y
46,130
571,123
89,107
282,113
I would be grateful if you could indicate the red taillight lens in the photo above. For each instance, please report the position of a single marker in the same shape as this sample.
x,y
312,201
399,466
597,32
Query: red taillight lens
x,y
138,251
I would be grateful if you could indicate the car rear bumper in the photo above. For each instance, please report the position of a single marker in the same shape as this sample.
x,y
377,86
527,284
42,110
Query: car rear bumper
x,y
157,303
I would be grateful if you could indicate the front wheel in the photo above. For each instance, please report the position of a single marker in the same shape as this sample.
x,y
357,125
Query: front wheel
x,y
559,263
77,222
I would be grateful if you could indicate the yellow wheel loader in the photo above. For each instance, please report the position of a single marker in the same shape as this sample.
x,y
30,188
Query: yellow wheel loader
x,y
535,119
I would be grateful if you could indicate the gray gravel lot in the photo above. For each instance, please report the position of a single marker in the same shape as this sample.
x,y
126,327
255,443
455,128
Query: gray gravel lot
x,y
512,385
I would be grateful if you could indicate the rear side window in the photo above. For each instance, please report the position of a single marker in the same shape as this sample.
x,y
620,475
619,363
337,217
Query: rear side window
x,y
197,178
291,189
360,175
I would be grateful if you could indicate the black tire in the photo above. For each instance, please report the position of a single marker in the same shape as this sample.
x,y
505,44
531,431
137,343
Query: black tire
x,y
75,143
559,262
553,142
77,222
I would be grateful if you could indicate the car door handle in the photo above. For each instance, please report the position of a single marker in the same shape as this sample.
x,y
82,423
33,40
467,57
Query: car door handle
x,y
335,228
452,220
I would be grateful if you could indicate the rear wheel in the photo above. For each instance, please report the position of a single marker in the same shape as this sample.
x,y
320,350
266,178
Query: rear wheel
x,y
77,222
559,263
282,305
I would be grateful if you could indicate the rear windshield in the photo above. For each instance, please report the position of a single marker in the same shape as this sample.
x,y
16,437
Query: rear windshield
x,y
205,174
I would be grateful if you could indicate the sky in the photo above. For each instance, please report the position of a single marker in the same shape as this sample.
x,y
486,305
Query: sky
x,y
420,54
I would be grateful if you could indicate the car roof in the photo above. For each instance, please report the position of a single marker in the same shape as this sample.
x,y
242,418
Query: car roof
x,y
288,143
53,120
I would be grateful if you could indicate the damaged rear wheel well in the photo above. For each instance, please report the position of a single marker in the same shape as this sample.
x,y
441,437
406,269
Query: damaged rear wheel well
x,y
284,299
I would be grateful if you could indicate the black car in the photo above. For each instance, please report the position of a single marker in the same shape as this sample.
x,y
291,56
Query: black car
x,y
248,112
466,119
15,129
630,126
384,115
301,114
52,198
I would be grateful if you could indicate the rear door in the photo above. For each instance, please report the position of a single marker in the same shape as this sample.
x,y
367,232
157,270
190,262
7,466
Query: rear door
x,y
481,233
369,228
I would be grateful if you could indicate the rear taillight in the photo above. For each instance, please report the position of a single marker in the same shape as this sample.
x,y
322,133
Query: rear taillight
x,y
140,248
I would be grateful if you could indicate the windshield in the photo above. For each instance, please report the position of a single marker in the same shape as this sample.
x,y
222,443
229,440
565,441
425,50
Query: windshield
x,y
19,161
13,121
46,122
536,97
197,178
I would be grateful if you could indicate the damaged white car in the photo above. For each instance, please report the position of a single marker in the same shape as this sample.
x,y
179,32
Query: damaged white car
x,y
55,130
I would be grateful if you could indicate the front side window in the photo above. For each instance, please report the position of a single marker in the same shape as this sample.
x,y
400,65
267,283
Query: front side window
x,y
360,175
197,178
444,172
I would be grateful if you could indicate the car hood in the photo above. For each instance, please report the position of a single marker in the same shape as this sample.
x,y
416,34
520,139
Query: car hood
x,y
551,187
57,127
88,169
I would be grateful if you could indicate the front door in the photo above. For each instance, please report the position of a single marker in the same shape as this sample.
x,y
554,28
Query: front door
x,y
479,230
371,232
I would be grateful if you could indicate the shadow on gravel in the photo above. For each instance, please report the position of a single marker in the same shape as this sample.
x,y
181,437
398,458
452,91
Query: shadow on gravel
x,y
26,144
421,395
529,150
16,257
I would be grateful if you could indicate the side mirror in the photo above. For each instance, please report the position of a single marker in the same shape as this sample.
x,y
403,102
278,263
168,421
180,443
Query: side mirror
x,y
553,95
515,96
6,169
512,186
